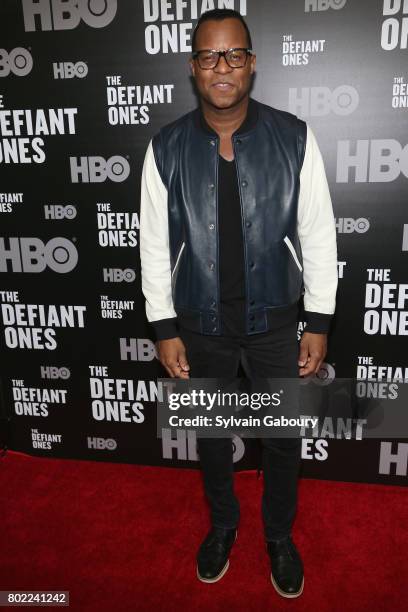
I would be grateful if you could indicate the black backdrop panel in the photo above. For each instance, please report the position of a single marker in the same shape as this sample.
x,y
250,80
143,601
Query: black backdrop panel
x,y
83,87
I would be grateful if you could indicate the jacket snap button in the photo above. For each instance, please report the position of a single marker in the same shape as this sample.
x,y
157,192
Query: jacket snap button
x,y
212,142
211,186
211,266
239,141
211,226
244,183
248,223
251,264
213,318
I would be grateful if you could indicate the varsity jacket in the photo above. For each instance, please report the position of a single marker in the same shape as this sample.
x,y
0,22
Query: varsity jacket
x,y
288,225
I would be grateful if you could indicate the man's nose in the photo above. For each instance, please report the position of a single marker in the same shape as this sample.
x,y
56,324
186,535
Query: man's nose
x,y
222,65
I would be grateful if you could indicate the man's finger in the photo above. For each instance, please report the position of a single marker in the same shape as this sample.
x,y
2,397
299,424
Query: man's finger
x,y
183,362
311,367
181,373
171,367
319,365
175,370
303,355
168,370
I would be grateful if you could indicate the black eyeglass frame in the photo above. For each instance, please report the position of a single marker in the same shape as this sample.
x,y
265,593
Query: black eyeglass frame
x,y
223,54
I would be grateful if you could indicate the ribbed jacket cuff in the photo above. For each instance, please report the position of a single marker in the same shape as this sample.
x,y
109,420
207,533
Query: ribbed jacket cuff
x,y
317,322
165,329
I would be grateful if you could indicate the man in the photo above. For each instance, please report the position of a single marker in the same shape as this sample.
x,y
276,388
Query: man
x,y
236,220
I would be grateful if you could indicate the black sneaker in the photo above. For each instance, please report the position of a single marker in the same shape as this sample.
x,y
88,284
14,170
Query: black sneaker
x,y
212,557
286,567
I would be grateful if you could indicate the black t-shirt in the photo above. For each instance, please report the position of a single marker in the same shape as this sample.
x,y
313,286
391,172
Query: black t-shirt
x,y
231,253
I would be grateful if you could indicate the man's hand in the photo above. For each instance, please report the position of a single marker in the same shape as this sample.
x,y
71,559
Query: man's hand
x,y
313,349
172,355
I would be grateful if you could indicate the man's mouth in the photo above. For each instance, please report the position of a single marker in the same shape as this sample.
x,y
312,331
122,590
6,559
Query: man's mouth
x,y
223,86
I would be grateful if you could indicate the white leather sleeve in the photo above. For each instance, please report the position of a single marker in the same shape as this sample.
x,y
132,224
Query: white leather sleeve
x,y
154,242
317,232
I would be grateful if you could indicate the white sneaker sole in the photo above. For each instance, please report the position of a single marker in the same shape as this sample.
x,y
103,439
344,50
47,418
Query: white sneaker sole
x,y
289,595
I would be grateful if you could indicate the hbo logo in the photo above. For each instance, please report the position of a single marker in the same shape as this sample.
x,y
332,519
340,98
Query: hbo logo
x,y
102,443
53,372
184,446
32,255
323,5
347,225
319,101
69,70
57,211
375,161
116,275
98,169
18,61
67,14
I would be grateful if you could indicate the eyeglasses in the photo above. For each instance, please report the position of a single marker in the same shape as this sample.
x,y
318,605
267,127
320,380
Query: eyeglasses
x,y
208,58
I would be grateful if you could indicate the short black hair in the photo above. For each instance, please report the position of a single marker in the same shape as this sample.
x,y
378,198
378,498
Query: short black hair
x,y
218,15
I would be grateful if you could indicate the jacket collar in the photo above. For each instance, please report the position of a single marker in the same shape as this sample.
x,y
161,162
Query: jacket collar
x,y
246,126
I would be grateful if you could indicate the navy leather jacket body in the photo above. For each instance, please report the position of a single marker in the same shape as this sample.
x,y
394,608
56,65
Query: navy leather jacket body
x,y
269,154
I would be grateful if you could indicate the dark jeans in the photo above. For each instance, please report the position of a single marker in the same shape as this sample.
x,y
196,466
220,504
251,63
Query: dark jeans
x,y
270,354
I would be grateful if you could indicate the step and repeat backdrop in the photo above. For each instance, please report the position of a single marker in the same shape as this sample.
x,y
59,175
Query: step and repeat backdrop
x,y
84,85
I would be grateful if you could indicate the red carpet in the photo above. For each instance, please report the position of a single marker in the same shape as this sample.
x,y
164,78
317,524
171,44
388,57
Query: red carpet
x,y
122,537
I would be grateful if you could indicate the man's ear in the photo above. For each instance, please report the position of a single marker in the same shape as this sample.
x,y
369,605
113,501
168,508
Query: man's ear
x,y
253,63
192,67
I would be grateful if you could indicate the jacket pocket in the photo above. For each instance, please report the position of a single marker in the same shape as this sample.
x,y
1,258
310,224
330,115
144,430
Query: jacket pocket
x,y
292,250
178,259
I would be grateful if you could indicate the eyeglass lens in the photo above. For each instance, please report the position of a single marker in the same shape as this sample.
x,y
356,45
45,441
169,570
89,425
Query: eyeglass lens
x,y
235,58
